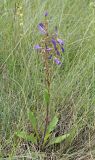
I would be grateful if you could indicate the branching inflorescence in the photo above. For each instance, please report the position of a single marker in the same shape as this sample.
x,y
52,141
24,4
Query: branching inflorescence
x,y
50,44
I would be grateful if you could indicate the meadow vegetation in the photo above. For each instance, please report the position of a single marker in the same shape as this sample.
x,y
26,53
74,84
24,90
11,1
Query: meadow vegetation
x,y
72,86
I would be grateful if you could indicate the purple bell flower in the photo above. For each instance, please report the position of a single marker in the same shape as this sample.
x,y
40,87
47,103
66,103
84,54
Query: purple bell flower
x,y
37,47
54,43
48,49
60,41
57,61
41,28
62,49
58,53
50,56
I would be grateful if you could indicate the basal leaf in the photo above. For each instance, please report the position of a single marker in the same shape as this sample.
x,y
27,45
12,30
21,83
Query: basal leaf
x,y
33,120
46,137
34,123
27,137
52,124
58,139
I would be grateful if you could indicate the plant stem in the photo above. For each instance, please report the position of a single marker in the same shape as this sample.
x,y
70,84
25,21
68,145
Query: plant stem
x,y
47,82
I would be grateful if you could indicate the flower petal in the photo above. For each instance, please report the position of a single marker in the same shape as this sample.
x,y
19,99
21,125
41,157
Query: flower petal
x,y
57,61
58,53
60,41
54,43
48,49
41,28
62,49
37,47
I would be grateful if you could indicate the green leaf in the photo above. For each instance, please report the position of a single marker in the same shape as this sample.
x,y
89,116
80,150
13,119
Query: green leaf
x,y
33,120
27,137
58,139
34,123
46,96
46,137
52,124
50,128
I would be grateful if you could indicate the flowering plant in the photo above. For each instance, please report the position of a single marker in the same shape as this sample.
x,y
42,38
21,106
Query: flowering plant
x,y
51,48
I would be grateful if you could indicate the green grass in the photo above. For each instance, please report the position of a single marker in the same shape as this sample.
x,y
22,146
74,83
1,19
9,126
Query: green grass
x,y
21,76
